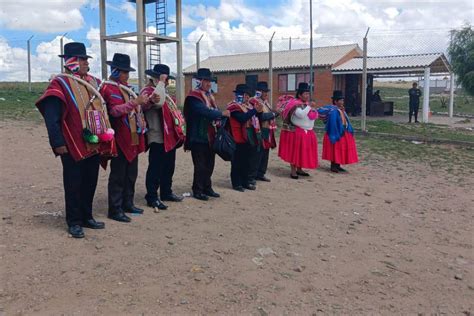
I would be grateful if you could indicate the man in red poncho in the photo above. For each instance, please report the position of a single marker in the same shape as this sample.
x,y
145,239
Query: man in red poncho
x,y
64,106
129,125
165,134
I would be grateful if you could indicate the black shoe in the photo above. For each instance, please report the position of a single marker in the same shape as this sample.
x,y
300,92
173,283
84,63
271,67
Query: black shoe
x,y
334,169
239,188
172,198
250,186
201,196
157,204
212,193
76,231
253,182
93,224
417,121
294,177
120,217
133,210
340,169
263,178
302,173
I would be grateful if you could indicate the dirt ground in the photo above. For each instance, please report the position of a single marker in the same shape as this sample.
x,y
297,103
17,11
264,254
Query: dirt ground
x,y
387,238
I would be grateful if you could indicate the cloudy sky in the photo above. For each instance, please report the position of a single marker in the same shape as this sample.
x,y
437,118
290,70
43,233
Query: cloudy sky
x,y
229,27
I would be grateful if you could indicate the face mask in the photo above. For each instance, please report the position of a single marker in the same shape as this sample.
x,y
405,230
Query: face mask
x,y
239,98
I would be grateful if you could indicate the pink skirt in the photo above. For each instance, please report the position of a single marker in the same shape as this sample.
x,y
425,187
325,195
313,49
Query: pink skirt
x,y
343,152
299,148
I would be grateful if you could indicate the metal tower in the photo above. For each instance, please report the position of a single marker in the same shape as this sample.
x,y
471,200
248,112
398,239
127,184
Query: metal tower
x,y
161,19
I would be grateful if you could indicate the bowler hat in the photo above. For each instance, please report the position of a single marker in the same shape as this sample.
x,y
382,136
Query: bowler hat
x,y
204,74
158,70
262,86
121,61
75,49
337,95
303,87
242,88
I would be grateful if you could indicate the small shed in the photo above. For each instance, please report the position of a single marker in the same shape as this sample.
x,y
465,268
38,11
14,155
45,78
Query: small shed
x,y
348,75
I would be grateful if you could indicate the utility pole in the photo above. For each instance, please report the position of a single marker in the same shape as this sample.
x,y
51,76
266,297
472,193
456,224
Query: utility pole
x,y
311,72
364,85
198,53
289,44
270,69
103,41
29,62
62,51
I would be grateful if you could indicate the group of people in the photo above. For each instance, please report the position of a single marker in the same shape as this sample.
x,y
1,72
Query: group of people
x,y
92,122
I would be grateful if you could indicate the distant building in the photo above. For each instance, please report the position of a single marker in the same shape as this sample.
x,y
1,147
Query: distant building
x,y
290,67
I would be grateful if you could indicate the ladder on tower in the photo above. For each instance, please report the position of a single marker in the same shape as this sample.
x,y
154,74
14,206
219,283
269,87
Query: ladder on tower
x,y
160,24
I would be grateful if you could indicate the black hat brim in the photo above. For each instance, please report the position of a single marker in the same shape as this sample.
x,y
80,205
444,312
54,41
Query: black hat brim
x,y
80,56
111,63
263,90
155,74
205,78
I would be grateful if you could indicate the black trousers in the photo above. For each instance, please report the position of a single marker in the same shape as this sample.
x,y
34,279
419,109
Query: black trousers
x,y
80,182
159,174
253,162
263,162
122,178
203,159
240,171
413,110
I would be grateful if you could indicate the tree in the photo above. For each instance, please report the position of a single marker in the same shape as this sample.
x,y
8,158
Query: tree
x,y
461,52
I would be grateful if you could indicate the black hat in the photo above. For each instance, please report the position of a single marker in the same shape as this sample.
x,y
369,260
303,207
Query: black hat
x,y
303,87
204,74
158,70
121,61
75,49
262,86
337,95
242,88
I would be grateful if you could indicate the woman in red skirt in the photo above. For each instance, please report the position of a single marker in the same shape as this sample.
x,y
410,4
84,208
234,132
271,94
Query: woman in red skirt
x,y
298,143
339,145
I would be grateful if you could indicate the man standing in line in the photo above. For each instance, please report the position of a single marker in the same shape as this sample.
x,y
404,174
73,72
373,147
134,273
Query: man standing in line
x,y
165,134
202,118
64,106
415,95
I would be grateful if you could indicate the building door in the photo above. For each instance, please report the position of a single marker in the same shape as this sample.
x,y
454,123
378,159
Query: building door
x,y
251,81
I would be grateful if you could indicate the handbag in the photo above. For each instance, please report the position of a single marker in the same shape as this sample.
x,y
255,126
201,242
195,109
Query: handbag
x,y
224,145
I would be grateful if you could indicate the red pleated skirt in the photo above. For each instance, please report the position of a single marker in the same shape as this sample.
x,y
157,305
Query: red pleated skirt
x,y
343,152
299,148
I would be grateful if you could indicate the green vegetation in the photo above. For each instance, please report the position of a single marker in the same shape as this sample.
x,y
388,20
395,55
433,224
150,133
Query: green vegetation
x,y
463,103
422,131
456,161
461,51
16,102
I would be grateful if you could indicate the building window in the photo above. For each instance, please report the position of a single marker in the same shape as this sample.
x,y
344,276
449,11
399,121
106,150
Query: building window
x,y
289,82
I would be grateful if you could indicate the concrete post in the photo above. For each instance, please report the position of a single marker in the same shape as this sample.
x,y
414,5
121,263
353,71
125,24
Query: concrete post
x,y
28,44
198,53
270,70
426,95
451,94
103,41
61,49
179,57
141,47
363,122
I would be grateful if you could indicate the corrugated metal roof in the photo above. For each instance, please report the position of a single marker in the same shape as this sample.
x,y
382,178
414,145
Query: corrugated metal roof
x,y
398,62
296,58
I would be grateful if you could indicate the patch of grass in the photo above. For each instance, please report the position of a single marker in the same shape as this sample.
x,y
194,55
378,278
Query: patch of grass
x,y
423,131
456,161
463,103
17,103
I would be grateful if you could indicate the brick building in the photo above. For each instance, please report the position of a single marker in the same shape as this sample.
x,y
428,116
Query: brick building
x,y
289,68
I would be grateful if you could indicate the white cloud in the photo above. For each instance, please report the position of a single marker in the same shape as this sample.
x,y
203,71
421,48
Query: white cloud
x,y
238,27
129,8
42,16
